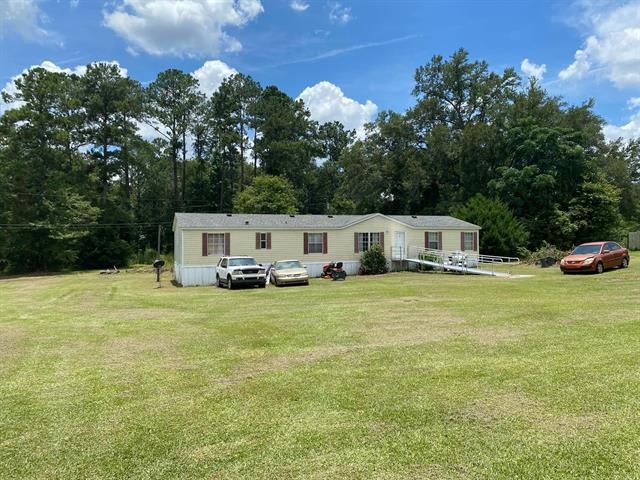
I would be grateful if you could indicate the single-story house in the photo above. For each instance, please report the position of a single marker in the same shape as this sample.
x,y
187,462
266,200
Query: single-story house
x,y
201,238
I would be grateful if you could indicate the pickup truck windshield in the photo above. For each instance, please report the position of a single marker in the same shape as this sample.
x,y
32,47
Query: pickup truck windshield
x,y
287,265
241,262
586,249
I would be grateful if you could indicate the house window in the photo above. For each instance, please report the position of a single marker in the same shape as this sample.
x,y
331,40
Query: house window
x,y
366,240
315,243
263,241
467,243
434,240
215,244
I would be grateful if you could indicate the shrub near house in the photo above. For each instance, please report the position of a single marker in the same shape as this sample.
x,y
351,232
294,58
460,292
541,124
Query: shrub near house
x,y
373,261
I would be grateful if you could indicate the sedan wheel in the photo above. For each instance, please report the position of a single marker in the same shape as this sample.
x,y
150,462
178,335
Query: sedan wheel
x,y
625,263
599,267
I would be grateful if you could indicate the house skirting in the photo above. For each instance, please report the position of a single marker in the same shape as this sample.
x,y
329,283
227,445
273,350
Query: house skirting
x,y
192,276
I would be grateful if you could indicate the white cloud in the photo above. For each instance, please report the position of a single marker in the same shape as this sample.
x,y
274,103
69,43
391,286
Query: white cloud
x,y
298,5
628,131
533,70
613,43
211,74
327,103
48,65
578,69
25,18
339,14
634,102
191,28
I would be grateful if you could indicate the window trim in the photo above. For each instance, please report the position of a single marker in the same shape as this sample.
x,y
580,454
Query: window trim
x,y
211,244
366,245
316,243
467,243
430,241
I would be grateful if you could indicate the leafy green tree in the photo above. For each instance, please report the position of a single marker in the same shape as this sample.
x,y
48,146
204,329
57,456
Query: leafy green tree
x,y
112,102
43,175
325,180
267,194
172,99
286,142
595,212
244,93
458,92
502,233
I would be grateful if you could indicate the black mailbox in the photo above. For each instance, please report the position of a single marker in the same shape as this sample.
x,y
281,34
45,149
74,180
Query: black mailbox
x,y
158,263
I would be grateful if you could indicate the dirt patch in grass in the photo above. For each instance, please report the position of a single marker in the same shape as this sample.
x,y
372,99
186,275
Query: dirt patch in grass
x,y
403,332
129,349
517,406
507,406
267,365
11,338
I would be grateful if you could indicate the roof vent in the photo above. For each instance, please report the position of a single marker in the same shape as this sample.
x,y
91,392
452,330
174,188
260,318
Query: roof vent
x,y
228,214
292,216
246,222
414,216
330,216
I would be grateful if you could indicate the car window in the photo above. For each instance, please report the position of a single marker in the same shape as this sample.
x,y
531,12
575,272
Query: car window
x,y
224,263
586,249
287,265
611,246
614,246
239,262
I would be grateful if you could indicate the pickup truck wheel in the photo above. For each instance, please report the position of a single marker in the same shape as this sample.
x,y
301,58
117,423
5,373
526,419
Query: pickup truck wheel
x,y
599,267
218,281
229,283
625,263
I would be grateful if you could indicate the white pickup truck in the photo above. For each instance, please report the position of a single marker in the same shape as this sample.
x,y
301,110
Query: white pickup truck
x,y
240,270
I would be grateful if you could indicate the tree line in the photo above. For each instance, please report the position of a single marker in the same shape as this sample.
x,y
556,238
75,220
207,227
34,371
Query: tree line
x,y
81,188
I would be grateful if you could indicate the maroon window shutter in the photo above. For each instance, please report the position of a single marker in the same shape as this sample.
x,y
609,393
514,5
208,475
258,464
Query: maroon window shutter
x,y
257,240
268,240
475,241
305,239
355,243
461,240
439,240
325,245
227,243
382,240
426,239
205,245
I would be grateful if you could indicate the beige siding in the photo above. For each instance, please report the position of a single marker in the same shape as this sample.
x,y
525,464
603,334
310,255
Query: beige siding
x,y
450,238
289,243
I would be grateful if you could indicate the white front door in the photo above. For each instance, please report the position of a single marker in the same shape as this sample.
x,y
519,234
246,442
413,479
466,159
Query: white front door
x,y
399,246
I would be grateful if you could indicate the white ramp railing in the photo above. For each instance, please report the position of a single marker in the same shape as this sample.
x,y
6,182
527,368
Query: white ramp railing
x,y
458,260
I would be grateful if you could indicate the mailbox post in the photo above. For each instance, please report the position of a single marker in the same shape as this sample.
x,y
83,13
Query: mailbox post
x,y
158,264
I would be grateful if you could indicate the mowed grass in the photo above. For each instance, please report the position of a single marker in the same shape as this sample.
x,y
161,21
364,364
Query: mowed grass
x,y
400,376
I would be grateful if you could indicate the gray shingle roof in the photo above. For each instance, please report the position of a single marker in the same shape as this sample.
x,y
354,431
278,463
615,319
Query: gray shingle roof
x,y
254,221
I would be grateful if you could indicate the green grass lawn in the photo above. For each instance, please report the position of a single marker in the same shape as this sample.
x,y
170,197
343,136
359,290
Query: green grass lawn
x,y
405,375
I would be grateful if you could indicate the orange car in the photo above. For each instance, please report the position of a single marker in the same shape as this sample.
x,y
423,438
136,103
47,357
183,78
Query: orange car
x,y
595,257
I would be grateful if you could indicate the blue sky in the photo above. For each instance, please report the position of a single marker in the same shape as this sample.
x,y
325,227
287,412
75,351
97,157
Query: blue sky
x,y
348,59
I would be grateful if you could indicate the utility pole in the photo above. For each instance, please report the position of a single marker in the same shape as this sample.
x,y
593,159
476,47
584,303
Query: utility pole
x,y
158,264
159,236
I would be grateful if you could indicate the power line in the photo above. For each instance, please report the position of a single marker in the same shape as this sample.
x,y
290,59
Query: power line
x,y
34,226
